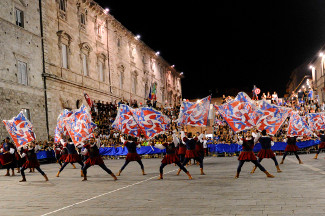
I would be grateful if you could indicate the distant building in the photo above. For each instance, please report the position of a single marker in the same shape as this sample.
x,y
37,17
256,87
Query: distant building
x,y
300,80
85,49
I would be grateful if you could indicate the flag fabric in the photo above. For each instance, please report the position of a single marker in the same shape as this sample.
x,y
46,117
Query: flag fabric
x,y
60,126
316,121
89,101
125,122
243,97
195,113
298,125
20,129
79,125
239,115
151,121
144,120
272,117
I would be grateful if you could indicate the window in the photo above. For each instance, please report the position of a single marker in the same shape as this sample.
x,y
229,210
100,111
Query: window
x,y
65,56
85,64
118,42
83,20
62,5
134,83
22,73
62,9
19,18
26,113
99,30
101,71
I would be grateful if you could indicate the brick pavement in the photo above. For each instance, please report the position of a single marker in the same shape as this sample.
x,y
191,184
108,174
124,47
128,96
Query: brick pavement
x,y
295,191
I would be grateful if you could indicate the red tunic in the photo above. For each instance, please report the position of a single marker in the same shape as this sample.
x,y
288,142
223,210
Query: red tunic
x,y
247,153
190,148
266,151
94,156
291,145
181,149
171,156
31,159
132,151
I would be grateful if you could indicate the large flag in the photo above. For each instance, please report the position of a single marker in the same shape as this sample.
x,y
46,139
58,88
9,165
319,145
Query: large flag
x,y
243,97
272,117
298,125
195,113
151,121
79,125
89,101
20,129
60,126
153,92
239,115
125,122
144,120
316,121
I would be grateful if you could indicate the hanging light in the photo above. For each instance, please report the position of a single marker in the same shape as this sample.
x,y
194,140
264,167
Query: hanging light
x,y
157,53
137,37
106,10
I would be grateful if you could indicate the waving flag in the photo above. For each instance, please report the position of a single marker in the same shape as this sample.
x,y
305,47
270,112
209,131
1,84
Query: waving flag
x,y
125,121
60,126
195,113
298,125
20,129
151,121
272,117
79,125
243,97
239,115
89,101
316,121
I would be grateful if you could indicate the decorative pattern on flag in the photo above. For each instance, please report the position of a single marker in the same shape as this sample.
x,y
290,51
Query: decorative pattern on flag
x,y
89,101
298,125
195,113
79,125
60,126
20,129
272,117
316,121
239,115
125,121
243,97
151,121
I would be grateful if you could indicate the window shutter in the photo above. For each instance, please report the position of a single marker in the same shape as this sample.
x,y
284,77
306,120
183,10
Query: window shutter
x,y
64,56
101,72
84,64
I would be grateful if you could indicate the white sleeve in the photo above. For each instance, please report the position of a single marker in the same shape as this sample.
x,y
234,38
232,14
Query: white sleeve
x,y
182,135
1,150
160,146
285,140
175,140
12,150
84,152
257,138
240,142
23,155
299,138
122,139
272,143
36,148
201,137
205,144
98,143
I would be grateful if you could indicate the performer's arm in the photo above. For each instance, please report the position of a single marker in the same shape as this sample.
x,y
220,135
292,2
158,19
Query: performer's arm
x,y
160,146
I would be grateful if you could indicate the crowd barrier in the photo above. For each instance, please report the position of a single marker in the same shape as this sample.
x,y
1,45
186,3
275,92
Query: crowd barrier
x,y
214,148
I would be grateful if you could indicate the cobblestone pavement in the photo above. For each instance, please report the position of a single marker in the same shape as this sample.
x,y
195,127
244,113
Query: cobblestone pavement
x,y
298,190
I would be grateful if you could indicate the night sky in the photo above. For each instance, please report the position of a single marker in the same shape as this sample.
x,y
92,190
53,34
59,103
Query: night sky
x,y
229,46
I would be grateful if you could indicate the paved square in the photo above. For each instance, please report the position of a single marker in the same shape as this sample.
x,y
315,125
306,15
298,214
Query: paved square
x,y
298,190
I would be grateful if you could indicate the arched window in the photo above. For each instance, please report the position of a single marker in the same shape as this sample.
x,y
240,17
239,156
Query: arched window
x,y
64,46
62,5
83,20
134,81
85,52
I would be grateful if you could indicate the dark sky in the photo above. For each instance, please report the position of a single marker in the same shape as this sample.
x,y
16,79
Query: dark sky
x,y
233,44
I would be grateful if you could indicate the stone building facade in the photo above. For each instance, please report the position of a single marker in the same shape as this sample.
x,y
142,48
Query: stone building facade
x,y
21,84
88,50
52,51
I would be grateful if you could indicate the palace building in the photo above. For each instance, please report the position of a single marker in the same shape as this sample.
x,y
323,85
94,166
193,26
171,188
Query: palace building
x,y
52,51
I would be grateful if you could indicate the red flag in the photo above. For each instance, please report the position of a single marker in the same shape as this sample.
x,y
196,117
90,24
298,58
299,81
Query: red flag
x,y
89,101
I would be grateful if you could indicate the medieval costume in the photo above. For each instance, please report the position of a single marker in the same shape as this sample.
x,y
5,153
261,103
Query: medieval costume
x,y
291,147
132,155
